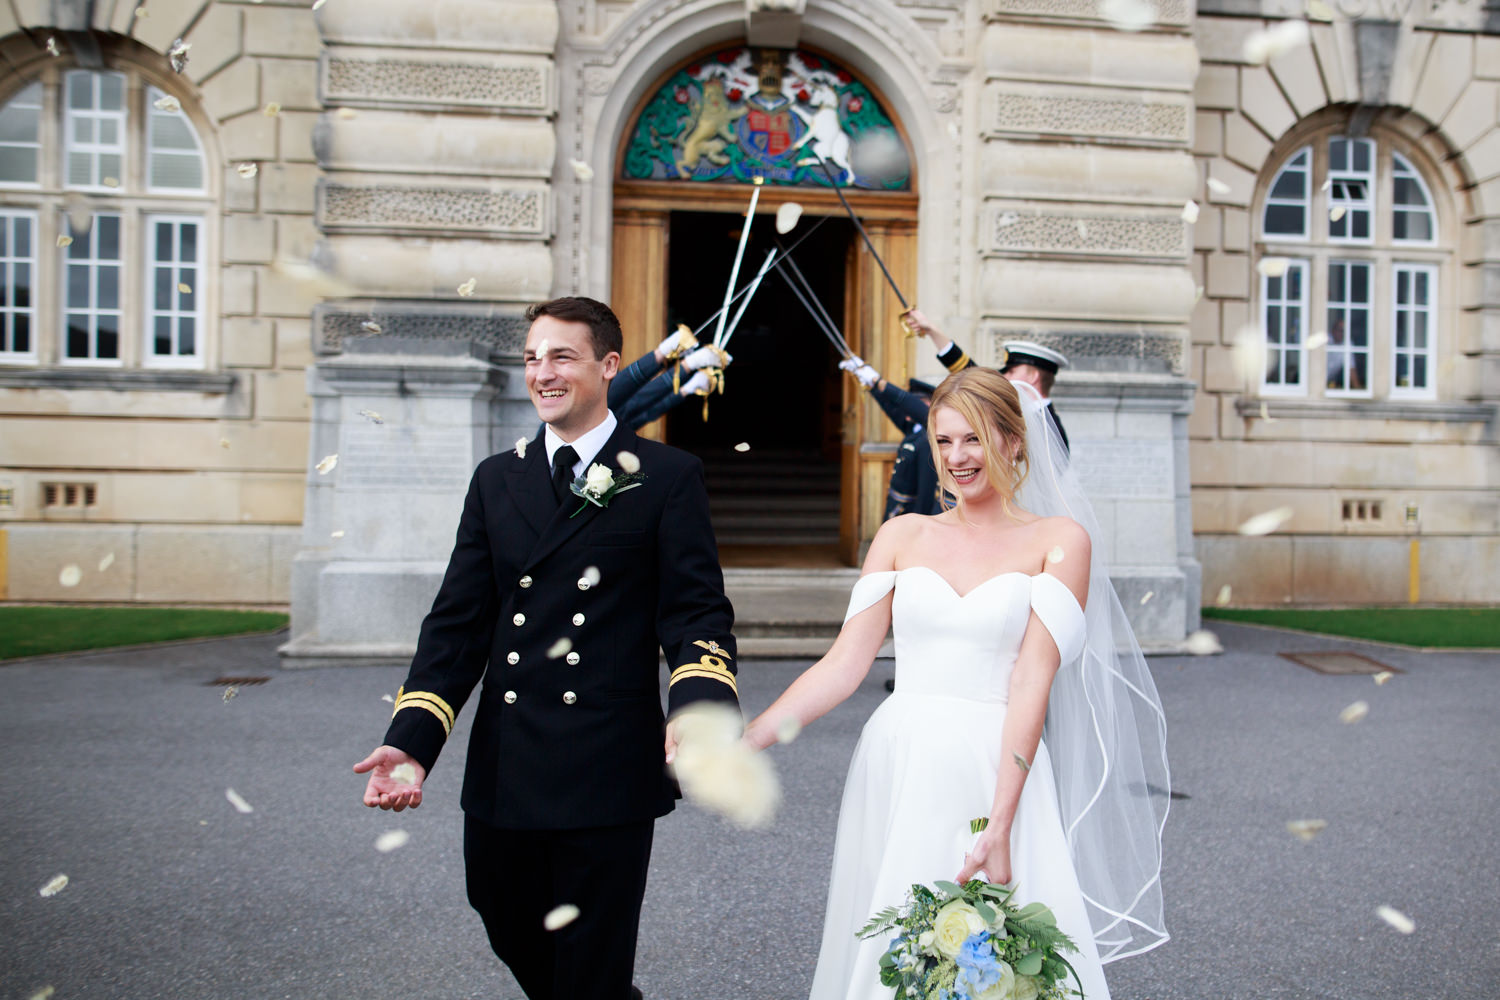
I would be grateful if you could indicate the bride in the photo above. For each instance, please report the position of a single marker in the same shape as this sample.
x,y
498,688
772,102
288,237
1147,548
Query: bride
x,y
1021,696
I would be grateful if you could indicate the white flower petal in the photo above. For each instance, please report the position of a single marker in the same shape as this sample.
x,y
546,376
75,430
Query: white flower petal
x,y
404,773
55,885
272,109
45,993
1317,10
1395,918
520,447
247,170
70,576
318,3
1218,187
1354,713
1337,212
1306,829
106,562
371,327
1147,596
142,12
1129,15
167,103
1202,643
1055,554
64,241
348,114
52,49
560,916
391,840
238,801
230,692
1317,340
561,647
386,697
372,416
787,215
788,729
591,574
1223,598
185,288
718,772
743,446
581,170
1382,677
1265,412
224,443
467,288
628,462
1272,267
1249,353
1263,46
338,533
1264,524
326,466
111,182
541,349
1190,212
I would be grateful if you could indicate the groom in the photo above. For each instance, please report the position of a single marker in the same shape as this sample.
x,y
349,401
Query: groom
x,y
558,605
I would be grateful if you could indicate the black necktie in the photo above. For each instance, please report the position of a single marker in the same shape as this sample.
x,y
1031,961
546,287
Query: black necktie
x,y
562,471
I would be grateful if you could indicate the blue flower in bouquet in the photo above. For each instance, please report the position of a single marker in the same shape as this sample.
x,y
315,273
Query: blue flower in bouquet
x,y
978,968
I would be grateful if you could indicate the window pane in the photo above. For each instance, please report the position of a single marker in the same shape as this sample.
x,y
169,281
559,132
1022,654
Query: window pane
x,y
23,237
22,335
1291,184
1336,273
163,241
80,90
1293,367
171,132
78,286
1361,226
1293,325
109,288
1359,328
21,281
109,237
188,277
1419,371
1285,219
1419,285
189,235
109,132
111,92
162,297
1402,331
109,337
109,166
5,234
1338,154
1273,366
83,130
1359,281
1412,226
1362,149
78,335
18,124
1359,374
163,340
185,336
79,170
1419,321
1403,372
18,165
176,170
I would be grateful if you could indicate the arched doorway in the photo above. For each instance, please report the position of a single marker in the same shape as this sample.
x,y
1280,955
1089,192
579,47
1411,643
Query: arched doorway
x,y
809,488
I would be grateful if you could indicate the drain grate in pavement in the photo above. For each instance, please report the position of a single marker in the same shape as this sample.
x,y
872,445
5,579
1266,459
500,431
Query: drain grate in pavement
x,y
1339,662
236,681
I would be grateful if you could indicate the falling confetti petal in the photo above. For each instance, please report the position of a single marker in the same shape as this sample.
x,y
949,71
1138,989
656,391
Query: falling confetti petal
x,y
1395,918
561,647
1223,597
1197,294
336,534
743,446
348,114
1317,340
372,416
111,182
591,574
1263,46
272,110
1264,524
628,462
541,349
1202,643
230,692
1055,555
70,575
167,102
1006,219
238,801
467,288
45,993
520,447
54,885
177,55
1217,186
64,241
1354,713
106,562
142,12
1306,829
788,729
318,3
185,288
1128,15
1336,213
391,840
386,697
1326,185
1382,677
370,326
581,170
52,49
1190,212
787,215
1249,353
224,443
1272,267
1020,761
560,916
406,774
248,170
1148,595
326,466
718,772
1317,10
1265,412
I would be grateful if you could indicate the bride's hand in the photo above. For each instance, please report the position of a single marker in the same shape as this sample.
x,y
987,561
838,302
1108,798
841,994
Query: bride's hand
x,y
991,855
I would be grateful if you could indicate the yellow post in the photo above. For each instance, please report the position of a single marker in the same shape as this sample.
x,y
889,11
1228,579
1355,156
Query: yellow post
x,y
1414,572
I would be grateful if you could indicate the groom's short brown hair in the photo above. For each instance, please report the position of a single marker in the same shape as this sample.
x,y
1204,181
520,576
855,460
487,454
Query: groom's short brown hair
x,y
603,324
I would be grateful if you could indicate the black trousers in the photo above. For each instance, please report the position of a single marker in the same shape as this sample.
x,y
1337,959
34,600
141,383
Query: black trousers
x,y
516,876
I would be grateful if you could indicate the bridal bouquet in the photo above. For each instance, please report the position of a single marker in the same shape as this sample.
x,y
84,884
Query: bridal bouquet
x,y
969,942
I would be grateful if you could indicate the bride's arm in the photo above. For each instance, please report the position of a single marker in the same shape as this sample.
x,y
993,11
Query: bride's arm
x,y
1026,710
835,677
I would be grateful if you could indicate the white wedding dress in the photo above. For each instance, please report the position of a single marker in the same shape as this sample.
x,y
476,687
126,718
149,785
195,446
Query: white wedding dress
x,y
927,762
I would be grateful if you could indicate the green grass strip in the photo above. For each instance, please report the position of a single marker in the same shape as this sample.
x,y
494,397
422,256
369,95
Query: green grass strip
x,y
29,631
1452,628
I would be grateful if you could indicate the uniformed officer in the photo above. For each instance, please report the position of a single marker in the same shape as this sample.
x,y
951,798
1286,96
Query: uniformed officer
x,y
558,604
667,391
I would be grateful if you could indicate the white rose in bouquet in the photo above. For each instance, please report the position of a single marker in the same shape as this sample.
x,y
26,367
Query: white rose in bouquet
x,y
598,479
1027,988
1005,989
954,924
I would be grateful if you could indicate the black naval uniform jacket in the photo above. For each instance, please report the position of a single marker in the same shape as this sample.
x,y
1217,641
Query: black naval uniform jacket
x,y
569,735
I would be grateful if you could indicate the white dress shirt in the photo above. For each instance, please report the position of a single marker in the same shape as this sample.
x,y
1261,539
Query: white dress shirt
x,y
587,444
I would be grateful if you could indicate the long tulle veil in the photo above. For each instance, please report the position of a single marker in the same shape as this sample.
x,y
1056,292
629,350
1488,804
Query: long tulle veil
x,y
1105,729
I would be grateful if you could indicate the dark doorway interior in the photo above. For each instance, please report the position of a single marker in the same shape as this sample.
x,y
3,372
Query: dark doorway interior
x,y
782,393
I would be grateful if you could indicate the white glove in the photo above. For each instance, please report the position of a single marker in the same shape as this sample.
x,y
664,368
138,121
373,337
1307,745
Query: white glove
x,y
856,366
707,356
696,386
681,339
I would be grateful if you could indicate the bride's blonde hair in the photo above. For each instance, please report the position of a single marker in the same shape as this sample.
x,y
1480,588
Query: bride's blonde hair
x,y
991,405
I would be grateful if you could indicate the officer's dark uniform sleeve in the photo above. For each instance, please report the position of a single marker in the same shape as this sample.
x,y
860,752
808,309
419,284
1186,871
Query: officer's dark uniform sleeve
x,y
904,479
454,645
955,359
905,409
628,380
650,402
694,618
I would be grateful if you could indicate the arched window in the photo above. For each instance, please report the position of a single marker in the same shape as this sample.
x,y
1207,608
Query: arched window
x,y
105,218
1351,307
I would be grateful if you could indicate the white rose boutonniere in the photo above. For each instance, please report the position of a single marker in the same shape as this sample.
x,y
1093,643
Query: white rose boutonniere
x,y
600,484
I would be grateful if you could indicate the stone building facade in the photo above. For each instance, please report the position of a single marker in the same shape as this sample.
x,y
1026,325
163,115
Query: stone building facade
x,y
383,186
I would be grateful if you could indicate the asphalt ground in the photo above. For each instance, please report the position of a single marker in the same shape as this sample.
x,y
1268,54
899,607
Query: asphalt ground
x,y
116,765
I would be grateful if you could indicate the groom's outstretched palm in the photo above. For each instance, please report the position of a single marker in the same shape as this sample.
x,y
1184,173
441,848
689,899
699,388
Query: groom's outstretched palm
x,y
382,789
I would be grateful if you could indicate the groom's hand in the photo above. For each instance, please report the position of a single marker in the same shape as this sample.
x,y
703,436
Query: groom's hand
x,y
386,791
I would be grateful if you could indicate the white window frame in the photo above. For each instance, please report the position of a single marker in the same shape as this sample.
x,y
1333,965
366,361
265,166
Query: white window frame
x,y
1402,164
95,149
150,313
9,310
92,310
1352,205
1349,307
1280,343
16,100
1305,203
1430,311
153,116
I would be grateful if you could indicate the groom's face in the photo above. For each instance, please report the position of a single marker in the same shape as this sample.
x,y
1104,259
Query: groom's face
x,y
568,385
